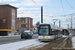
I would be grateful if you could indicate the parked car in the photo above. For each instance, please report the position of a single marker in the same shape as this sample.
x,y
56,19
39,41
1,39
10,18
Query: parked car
x,y
26,34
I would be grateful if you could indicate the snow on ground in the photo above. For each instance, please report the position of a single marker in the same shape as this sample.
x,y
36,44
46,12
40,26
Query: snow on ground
x,y
35,34
67,35
73,42
18,45
10,36
17,35
64,35
70,34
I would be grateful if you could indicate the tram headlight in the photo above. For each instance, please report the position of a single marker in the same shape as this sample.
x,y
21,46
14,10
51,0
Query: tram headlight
x,y
39,37
47,37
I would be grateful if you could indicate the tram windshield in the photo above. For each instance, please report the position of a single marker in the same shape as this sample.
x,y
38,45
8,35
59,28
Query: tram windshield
x,y
44,30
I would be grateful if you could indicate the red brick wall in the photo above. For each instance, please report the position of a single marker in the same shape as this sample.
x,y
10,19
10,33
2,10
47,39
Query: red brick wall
x,y
5,13
24,25
18,22
28,23
31,23
22,19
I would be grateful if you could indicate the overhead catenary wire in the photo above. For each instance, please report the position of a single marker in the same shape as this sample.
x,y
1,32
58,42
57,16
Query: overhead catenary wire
x,y
35,3
69,4
47,12
40,6
55,15
62,7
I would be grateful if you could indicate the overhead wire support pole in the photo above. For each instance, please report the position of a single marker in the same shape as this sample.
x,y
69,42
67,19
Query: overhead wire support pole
x,y
41,14
59,23
68,26
54,26
71,22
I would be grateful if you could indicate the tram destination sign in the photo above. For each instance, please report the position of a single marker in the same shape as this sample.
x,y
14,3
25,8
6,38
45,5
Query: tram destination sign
x,y
43,26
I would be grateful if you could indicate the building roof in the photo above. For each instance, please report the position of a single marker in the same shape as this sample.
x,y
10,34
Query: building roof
x,y
24,17
8,5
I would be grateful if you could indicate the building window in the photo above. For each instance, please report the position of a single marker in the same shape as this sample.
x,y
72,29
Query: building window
x,y
26,20
17,26
19,19
19,22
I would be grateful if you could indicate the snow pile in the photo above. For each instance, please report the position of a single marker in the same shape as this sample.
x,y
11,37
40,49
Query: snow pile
x,y
35,34
18,45
67,36
70,34
64,36
73,42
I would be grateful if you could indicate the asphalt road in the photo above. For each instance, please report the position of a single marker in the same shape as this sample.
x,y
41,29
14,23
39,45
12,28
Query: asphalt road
x,y
5,40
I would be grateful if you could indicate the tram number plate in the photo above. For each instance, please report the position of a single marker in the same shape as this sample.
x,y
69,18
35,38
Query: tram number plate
x,y
43,37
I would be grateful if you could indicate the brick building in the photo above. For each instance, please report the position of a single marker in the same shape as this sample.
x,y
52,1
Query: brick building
x,y
25,23
8,16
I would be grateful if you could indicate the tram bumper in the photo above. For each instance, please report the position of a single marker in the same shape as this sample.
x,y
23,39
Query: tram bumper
x,y
45,39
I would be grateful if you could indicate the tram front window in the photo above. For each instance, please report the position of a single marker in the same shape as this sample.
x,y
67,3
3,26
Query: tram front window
x,y
44,30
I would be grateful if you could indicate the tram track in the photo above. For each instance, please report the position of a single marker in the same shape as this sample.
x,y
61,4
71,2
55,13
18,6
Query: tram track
x,y
54,45
58,44
61,44
48,45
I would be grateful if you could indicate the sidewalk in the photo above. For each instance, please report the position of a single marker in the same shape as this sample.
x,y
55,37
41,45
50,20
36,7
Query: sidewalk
x,y
11,36
18,45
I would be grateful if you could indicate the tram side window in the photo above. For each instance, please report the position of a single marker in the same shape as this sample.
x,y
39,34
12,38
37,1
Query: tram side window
x,y
50,32
53,32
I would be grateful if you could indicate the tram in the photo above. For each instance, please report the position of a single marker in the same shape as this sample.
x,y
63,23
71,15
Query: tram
x,y
46,33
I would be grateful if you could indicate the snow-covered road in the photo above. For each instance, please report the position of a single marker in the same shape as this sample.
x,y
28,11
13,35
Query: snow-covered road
x,y
26,44
18,45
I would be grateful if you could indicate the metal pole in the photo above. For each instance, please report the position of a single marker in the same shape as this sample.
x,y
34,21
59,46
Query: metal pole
x,y
68,26
54,30
71,24
41,14
54,26
59,23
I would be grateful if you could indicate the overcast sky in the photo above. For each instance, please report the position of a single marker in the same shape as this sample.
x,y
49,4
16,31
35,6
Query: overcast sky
x,y
53,9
